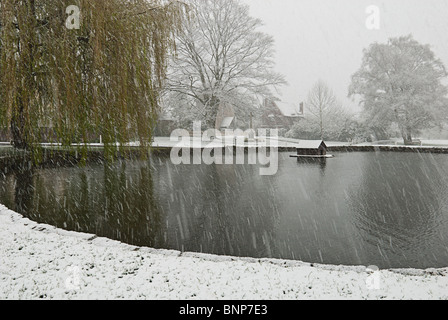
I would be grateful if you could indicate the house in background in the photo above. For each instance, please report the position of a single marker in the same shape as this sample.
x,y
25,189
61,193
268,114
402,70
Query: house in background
x,y
278,115
225,117
165,125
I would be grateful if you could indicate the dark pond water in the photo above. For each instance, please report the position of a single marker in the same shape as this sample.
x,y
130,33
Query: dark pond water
x,y
384,209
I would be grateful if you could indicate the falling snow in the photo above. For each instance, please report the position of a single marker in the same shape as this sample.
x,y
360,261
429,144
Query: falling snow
x,y
37,262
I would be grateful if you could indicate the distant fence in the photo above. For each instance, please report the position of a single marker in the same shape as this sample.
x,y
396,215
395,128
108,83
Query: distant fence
x,y
47,135
415,149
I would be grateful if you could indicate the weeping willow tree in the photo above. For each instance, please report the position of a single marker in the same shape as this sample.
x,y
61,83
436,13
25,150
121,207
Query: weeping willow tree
x,y
103,78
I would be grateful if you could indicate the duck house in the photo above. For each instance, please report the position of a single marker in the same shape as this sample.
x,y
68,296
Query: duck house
x,y
312,149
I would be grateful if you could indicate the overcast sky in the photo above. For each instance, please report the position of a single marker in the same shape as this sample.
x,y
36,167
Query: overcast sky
x,y
324,39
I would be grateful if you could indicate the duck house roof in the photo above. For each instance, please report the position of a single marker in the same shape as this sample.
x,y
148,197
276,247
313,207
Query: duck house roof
x,y
311,144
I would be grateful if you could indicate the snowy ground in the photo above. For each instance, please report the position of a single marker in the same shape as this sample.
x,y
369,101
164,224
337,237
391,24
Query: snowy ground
x,y
42,262
166,142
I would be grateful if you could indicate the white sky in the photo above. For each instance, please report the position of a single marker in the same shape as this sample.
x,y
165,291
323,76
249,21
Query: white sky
x,y
324,39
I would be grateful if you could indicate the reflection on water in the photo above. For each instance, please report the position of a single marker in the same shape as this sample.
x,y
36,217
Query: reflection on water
x,y
400,210
385,209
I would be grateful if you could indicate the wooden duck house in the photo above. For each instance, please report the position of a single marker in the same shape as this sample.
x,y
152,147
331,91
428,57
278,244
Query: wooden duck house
x,y
312,149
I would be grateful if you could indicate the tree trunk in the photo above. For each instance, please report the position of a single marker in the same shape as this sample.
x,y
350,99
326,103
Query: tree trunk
x,y
212,111
321,126
407,136
19,140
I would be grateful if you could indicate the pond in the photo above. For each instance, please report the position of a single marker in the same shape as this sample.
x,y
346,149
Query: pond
x,y
384,209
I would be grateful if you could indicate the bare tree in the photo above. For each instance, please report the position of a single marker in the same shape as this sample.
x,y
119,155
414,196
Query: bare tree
x,y
323,108
221,57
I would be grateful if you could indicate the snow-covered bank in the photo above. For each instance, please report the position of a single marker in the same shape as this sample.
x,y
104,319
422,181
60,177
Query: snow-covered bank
x,y
39,261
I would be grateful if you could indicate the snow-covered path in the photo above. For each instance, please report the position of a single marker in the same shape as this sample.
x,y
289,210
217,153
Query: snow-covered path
x,y
38,261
